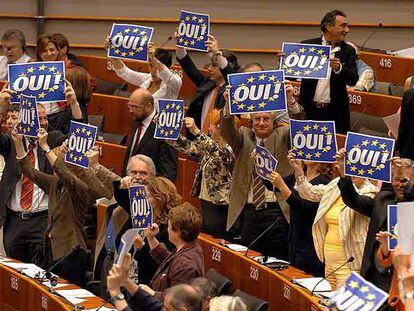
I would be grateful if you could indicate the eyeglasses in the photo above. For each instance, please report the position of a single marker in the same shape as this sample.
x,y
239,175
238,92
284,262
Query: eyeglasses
x,y
264,119
140,173
134,107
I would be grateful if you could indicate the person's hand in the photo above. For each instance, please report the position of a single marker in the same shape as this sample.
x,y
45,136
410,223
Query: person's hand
x,y
289,93
407,284
401,261
42,138
226,98
70,94
113,281
253,155
147,289
276,179
295,164
16,136
152,231
335,63
151,51
339,161
5,95
126,182
107,44
396,162
212,45
192,127
382,237
93,157
139,242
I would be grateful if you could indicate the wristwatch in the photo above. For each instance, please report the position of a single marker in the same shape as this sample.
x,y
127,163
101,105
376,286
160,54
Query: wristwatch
x,y
117,297
47,150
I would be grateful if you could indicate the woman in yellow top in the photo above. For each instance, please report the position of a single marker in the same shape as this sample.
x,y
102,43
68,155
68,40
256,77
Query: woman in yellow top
x,y
339,232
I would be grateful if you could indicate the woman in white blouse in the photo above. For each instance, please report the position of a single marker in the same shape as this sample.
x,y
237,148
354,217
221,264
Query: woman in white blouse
x,y
160,81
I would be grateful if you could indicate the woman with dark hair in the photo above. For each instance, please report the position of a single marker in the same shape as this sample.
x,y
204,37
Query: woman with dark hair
x,y
160,81
60,113
302,213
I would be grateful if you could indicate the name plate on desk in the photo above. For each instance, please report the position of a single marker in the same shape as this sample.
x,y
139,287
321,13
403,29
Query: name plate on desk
x,y
14,283
286,292
216,254
44,301
254,273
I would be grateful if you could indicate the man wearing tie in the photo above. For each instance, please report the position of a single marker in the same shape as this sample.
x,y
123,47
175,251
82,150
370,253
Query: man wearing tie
x,y
13,44
141,139
327,99
23,206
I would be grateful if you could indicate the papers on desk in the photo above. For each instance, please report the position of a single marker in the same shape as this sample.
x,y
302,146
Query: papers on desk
x,y
29,269
237,247
78,293
268,259
101,309
75,296
47,284
310,283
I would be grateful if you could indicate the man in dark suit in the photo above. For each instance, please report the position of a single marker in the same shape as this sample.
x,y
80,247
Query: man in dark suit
x,y
376,209
328,99
141,139
23,206
210,89
405,139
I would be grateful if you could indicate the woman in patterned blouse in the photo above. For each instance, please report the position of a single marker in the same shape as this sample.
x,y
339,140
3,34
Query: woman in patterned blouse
x,y
213,176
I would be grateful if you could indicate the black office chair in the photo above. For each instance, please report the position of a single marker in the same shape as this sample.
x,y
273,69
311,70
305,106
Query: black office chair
x,y
252,303
223,284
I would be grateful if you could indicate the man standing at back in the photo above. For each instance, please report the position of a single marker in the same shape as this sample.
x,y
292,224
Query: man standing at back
x,y
328,99
13,44
141,138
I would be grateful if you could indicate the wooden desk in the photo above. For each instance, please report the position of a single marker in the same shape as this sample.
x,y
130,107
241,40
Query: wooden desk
x,y
256,279
369,103
18,292
389,68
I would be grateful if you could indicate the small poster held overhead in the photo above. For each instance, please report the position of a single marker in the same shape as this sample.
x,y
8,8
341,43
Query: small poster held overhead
x,y
129,42
193,31
43,80
28,117
306,61
260,91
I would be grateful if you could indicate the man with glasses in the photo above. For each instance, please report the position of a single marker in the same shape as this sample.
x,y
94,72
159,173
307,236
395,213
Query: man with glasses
x,y
117,220
13,45
250,202
376,209
141,138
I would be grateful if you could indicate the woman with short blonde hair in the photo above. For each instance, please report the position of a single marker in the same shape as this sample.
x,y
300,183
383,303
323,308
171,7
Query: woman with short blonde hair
x,y
227,303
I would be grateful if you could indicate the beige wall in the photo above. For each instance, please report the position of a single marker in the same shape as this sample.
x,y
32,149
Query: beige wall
x,y
237,36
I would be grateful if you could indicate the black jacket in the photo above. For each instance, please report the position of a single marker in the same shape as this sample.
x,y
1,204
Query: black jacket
x,y
339,106
141,300
12,173
204,86
405,142
376,209
164,156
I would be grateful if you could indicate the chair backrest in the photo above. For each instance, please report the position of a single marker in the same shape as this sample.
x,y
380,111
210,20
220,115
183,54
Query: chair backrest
x,y
252,303
223,284
97,120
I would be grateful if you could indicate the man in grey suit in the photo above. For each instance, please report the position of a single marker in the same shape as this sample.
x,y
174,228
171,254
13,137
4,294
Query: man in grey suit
x,y
250,202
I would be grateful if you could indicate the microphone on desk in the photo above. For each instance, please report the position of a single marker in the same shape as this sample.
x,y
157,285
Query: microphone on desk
x,y
260,236
370,35
170,37
48,273
350,259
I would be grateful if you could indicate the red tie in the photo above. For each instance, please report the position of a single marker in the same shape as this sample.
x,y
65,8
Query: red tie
x,y
26,196
137,138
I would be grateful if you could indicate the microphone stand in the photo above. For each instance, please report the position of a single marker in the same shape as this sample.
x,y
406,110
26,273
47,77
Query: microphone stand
x,y
260,236
350,259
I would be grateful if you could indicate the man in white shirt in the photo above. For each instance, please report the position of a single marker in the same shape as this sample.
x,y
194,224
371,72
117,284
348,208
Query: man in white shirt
x,y
327,99
13,45
161,82
23,206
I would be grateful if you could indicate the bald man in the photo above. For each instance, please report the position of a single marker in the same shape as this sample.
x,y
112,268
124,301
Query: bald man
x,y
141,138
